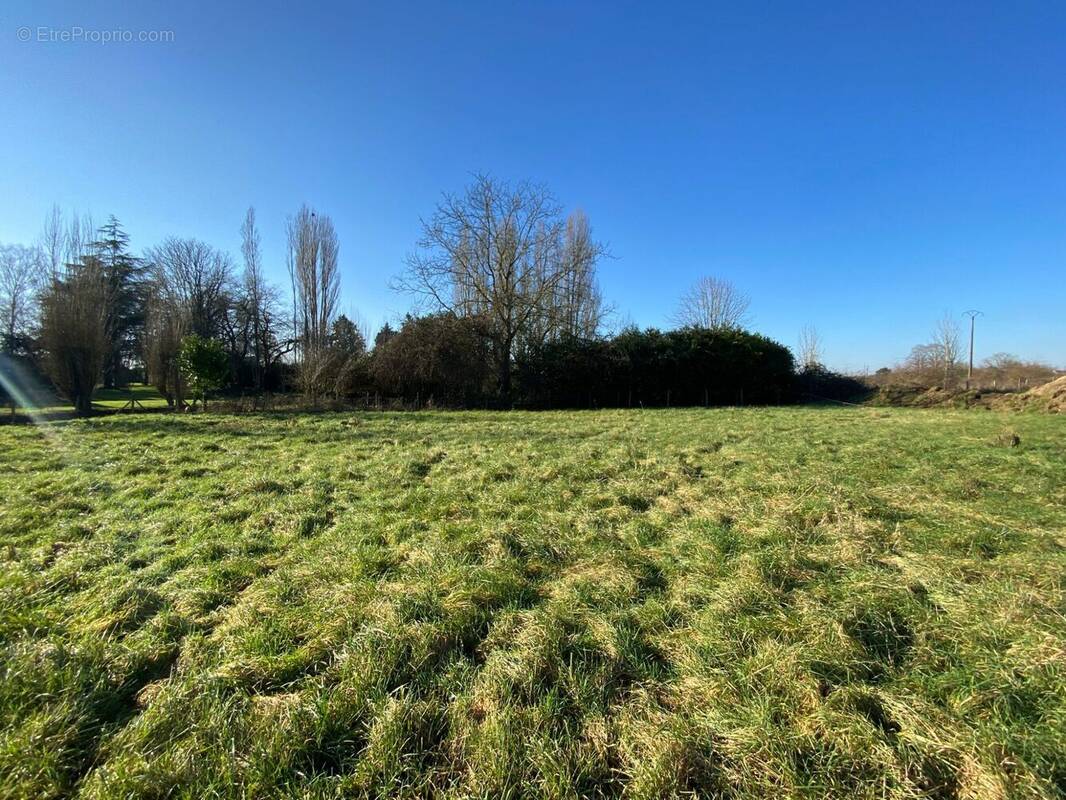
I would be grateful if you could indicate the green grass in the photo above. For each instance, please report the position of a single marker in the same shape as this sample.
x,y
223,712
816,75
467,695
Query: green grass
x,y
103,399
722,603
147,396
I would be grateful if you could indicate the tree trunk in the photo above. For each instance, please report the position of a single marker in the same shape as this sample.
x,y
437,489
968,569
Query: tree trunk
x,y
83,404
505,373
110,371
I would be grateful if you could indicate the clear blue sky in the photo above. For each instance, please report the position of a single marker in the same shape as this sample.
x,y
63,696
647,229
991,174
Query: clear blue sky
x,y
860,166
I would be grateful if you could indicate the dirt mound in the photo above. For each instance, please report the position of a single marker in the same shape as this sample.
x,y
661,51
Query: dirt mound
x,y
1055,388
1050,396
933,397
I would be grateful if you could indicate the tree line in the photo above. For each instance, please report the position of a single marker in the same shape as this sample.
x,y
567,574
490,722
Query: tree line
x,y
508,312
942,362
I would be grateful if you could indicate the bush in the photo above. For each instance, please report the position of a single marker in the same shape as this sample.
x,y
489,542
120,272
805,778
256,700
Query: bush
x,y
353,375
204,364
439,358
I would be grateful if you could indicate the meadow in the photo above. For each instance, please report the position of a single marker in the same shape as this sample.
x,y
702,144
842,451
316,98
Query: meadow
x,y
46,405
735,603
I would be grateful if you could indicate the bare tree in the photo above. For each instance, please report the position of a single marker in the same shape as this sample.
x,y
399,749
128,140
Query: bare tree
x,y
274,339
165,324
810,347
714,304
21,271
236,329
74,307
189,293
922,366
256,291
1005,370
498,252
74,333
78,239
194,278
581,309
314,273
64,241
52,242
946,340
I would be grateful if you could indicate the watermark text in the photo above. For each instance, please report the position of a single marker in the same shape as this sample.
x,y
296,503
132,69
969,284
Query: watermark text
x,y
76,34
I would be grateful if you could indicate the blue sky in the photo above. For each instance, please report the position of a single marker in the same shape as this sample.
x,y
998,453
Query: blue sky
x,y
857,166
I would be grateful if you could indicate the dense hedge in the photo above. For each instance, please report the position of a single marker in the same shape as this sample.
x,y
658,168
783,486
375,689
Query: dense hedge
x,y
657,368
449,361
817,384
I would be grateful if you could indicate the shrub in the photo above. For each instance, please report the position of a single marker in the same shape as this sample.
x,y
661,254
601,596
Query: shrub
x,y
204,364
440,358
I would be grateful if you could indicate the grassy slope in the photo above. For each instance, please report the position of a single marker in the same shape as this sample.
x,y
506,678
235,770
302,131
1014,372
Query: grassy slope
x,y
754,603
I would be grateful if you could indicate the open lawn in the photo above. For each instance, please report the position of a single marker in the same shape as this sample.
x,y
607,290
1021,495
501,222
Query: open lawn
x,y
728,603
147,396
103,400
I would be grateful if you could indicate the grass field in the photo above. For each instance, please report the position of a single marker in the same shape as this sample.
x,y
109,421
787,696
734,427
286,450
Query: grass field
x,y
103,400
723,603
147,396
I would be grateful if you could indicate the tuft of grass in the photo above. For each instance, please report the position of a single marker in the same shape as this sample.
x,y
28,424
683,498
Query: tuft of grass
x,y
642,604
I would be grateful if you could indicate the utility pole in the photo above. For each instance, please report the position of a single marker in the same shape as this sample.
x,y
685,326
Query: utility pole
x,y
973,314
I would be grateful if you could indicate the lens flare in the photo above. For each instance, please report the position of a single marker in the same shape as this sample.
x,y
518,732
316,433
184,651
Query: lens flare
x,y
28,394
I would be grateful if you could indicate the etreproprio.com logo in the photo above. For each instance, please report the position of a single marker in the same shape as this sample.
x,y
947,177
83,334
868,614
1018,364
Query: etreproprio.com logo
x,y
76,34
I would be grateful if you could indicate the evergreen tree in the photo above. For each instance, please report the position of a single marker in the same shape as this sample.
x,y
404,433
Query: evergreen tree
x,y
124,277
347,338
383,336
